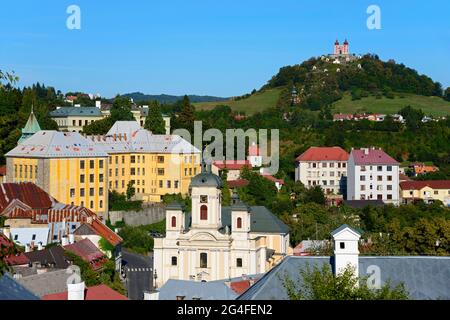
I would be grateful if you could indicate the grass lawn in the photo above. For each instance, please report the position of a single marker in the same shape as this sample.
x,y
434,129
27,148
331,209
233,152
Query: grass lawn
x,y
253,104
430,105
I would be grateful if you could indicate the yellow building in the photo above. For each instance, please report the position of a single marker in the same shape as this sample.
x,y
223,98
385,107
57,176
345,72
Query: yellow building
x,y
68,166
427,191
156,164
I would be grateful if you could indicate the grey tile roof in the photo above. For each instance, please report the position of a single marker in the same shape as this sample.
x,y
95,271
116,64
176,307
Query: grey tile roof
x,y
10,289
54,255
262,220
55,144
140,140
213,290
344,226
76,111
46,283
424,277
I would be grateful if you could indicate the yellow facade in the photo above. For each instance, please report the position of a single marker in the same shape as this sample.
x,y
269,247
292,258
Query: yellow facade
x,y
76,181
427,193
153,175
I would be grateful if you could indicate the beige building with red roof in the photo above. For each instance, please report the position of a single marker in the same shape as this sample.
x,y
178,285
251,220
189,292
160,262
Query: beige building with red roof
x,y
323,166
427,191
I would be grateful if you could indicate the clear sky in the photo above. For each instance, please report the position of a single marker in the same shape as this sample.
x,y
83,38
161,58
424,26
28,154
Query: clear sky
x,y
214,47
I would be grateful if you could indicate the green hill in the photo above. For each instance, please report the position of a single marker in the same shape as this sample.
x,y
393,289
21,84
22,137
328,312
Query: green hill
x,y
251,105
433,106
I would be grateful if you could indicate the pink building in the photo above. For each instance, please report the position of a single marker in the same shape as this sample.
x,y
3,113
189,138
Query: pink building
x,y
341,49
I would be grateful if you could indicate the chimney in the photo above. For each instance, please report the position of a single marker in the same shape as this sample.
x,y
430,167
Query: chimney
x,y
27,248
346,252
64,241
366,151
125,136
75,291
71,238
40,246
120,137
153,295
115,137
98,104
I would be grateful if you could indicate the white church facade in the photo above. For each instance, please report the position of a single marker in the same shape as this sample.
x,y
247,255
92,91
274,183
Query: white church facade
x,y
214,242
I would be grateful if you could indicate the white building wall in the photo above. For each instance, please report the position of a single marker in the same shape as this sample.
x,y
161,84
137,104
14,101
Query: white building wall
x,y
326,174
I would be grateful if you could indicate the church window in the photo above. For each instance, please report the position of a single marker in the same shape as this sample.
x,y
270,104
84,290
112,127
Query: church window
x,y
203,212
239,262
174,261
342,245
174,222
203,199
239,223
203,260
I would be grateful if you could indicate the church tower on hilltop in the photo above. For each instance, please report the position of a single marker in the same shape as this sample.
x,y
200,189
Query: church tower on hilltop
x,y
341,49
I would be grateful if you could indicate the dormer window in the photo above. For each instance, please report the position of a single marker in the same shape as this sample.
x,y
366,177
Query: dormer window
x,y
203,199
342,245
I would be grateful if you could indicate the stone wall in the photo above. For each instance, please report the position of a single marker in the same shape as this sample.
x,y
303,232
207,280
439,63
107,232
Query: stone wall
x,y
148,215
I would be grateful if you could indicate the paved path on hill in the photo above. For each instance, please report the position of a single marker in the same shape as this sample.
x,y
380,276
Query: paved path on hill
x,y
139,274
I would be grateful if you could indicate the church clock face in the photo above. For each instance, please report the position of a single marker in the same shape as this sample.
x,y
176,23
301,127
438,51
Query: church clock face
x,y
203,199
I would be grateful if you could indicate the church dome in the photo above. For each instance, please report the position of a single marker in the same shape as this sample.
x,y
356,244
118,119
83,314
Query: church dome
x,y
206,179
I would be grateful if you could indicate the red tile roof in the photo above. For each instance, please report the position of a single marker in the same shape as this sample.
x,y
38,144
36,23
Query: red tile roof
x,y
373,157
238,183
324,154
232,164
418,185
100,292
105,232
86,250
28,193
404,177
240,286
2,170
26,200
272,178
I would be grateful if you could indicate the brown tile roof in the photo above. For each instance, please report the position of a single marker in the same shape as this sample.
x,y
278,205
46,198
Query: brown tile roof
x,y
232,164
238,183
87,251
54,255
373,157
418,185
324,154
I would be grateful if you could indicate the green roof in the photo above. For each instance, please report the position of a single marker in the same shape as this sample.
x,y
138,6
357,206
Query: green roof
x,y
31,127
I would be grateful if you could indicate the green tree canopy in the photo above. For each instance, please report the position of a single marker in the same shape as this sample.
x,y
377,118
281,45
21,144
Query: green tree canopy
x,y
322,284
121,109
154,121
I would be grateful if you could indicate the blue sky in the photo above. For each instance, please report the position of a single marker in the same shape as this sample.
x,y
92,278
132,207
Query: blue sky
x,y
213,47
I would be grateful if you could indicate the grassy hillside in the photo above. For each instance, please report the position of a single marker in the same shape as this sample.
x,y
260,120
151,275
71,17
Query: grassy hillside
x,y
253,104
434,106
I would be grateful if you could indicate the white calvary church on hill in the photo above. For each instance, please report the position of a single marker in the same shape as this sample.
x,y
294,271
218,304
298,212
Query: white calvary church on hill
x,y
215,242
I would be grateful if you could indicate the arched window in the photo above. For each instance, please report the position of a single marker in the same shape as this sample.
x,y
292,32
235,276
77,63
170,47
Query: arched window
x,y
203,260
239,223
203,212
174,222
